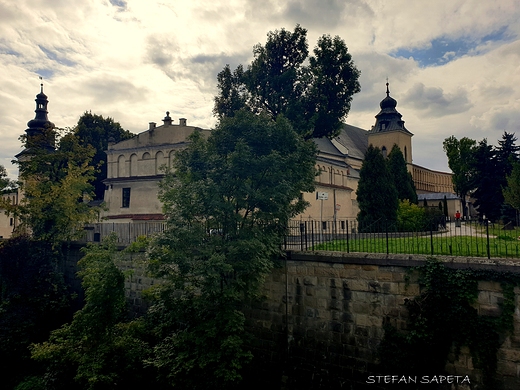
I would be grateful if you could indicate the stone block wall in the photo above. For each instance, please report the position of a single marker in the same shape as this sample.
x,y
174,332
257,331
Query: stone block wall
x,y
321,322
328,310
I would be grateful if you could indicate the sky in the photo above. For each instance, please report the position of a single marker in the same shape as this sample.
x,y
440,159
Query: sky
x,y
453,66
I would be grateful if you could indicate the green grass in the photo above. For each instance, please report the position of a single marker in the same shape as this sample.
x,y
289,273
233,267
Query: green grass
x,y
449,246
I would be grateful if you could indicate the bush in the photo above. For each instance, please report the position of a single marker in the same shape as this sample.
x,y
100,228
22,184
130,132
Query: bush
x,y
410,217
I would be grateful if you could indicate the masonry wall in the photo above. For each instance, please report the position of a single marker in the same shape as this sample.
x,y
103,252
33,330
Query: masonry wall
x,y
321,320
333,322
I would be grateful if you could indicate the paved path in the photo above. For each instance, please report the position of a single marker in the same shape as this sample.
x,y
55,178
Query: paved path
x,y
466,229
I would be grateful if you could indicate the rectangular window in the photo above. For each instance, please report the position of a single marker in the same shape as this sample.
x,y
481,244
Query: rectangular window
x,y
324,225
342,225
126,197
11,221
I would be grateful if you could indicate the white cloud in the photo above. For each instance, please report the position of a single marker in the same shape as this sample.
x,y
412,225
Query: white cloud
x,y
134,60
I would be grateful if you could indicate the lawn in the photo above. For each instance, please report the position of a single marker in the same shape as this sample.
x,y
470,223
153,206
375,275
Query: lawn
x,y
501,246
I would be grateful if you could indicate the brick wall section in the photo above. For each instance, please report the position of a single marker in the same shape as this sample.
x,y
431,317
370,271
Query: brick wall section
x,y
336,305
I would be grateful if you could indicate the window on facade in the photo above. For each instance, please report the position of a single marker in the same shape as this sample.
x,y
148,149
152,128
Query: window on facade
x,y
324,225
11,221
342,225
384,151
126,197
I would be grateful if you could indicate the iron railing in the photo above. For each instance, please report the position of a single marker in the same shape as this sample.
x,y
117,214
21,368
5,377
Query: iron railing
x,y
436,238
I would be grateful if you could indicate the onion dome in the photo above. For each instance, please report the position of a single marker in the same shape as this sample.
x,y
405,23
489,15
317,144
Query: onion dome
x,y
40,130
40,122
388,119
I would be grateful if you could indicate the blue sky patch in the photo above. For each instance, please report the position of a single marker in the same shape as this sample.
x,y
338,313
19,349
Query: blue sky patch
x,y
445,49
55,57
45,73
118,3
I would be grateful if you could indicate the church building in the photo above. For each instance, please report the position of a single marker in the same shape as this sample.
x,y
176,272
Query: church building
x,y
136,166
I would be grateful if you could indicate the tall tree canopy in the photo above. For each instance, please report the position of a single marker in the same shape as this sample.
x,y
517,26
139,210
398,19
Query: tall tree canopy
x,y
314,93
96,131
376,192
6,184
403,180
512,191
56,187
488,191
227,205
461,160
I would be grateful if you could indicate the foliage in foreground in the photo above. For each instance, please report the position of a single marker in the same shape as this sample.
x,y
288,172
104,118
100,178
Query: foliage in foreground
x,y
226,205
33,301
442,319
56,187
98,349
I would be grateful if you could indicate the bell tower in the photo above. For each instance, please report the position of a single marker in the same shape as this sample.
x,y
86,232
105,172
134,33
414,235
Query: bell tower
x,y
40,131
389,130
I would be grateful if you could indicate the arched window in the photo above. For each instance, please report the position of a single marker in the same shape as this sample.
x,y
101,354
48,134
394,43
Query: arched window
x,y
159,161
171,157
133,165
121,166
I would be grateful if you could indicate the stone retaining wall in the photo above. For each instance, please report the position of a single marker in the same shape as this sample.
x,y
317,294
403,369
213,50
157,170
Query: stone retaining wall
x,y
333,322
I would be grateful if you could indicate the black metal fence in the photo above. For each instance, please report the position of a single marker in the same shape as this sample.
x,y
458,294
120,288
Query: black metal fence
x,y
439,237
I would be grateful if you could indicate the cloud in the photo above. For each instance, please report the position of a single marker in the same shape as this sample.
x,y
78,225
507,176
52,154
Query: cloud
x,y
435,102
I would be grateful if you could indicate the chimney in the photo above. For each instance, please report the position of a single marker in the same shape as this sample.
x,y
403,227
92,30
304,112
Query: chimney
x,y
182,122
151,125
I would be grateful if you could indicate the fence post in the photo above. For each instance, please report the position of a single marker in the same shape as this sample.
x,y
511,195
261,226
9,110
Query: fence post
x,y
487,236
431,237
386,230
306,243
348,249
302,228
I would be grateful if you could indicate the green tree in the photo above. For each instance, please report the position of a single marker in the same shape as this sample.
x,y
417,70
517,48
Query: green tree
x,y
461,160
98,349
488,192
507,155
6,184
376,193
56,188
33,301
96,131
314,93
227,204
403,180
512,191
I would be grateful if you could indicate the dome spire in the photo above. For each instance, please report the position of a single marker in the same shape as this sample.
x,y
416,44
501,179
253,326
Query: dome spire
x,y
387,90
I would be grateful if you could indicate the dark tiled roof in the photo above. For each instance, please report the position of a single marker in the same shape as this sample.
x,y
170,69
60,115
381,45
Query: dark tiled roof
x,y
354,139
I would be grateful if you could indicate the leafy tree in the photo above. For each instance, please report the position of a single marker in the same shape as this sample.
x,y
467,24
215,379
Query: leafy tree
x,y
445,206
512,191
56,187
488,192
376,192
96,131
507,155
33,301
403,180
227,205
98,349
461,160
6,184
314,93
